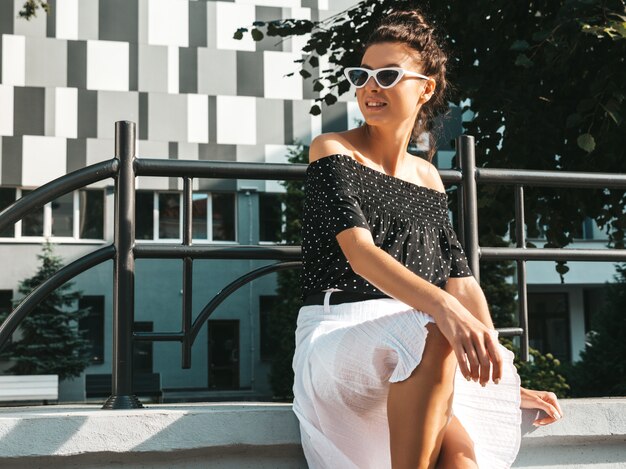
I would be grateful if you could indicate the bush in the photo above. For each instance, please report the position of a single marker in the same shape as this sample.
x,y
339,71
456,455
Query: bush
x,y
541,372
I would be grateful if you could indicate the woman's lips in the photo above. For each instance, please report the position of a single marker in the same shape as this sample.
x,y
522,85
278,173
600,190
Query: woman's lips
x,y
377,107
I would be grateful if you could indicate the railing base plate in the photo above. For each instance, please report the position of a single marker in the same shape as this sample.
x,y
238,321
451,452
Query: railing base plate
x,y
123,402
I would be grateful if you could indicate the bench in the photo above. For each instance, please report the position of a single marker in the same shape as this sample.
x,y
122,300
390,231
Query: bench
x,y
29,388
144,385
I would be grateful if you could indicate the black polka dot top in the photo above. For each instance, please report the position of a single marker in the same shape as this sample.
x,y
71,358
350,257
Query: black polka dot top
x,y
408,221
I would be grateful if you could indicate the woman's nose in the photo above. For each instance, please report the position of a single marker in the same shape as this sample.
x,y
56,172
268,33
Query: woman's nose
x,y
371,83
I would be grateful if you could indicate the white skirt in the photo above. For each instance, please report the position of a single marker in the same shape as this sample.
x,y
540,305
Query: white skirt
x,y
347,354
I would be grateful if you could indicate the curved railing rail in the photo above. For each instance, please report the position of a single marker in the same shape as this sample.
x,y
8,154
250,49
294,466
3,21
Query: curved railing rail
x,y
126,167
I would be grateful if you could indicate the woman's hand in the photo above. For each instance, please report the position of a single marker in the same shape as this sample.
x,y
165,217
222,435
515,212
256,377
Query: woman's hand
x,y
472,341
544,400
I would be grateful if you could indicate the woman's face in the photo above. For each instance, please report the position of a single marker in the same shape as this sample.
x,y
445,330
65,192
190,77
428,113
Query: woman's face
x,y
405,98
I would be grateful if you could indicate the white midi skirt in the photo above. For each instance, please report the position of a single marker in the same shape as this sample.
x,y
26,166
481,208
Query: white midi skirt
x,y
347,354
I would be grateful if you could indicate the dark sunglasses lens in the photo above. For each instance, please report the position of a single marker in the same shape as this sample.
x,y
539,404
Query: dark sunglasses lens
x,y
387,77
357,77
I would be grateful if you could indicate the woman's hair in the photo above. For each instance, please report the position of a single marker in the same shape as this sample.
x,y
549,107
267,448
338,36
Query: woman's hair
x,y
411,28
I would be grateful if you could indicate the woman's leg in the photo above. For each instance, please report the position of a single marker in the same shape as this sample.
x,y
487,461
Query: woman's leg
x,y
418,407
457,448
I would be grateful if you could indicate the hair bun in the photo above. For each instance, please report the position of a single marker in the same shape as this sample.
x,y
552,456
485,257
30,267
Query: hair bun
x,y
413,15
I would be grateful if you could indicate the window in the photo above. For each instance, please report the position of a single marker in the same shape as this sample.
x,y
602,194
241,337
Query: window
x,y
270,217
6,302
6,305
32,224
223,216
93,325
169,215
7,197
77,215
91,218
200,212
158,216
266,311
549,328
63,215
144,215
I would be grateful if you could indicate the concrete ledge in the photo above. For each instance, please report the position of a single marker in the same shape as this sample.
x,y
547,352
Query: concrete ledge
x,y
260,435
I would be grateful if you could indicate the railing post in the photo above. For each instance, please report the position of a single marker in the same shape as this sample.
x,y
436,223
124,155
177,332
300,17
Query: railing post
x,y
124,270
465,146
520,235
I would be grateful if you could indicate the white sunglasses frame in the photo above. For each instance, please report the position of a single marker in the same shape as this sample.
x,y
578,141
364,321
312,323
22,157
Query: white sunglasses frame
x,y
372,73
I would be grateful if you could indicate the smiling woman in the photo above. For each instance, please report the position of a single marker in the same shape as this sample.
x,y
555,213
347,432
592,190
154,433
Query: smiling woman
x,y
397,362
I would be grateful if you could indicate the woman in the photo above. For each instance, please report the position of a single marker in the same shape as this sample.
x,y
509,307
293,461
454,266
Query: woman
x,y
397,362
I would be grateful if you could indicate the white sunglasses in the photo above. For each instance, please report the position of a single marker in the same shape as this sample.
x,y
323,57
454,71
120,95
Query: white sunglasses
x,y
385,77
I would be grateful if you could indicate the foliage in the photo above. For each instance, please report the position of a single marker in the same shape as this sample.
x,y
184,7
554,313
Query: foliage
x,y
540,372
50,342
283,324
499,291
545,82
30,7
601,370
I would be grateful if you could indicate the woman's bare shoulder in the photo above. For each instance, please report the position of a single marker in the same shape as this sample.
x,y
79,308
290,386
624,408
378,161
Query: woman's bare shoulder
x,y
327,144
429,174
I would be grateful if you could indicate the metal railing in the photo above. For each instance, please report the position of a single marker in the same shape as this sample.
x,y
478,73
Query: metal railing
x,y
471,175
125,167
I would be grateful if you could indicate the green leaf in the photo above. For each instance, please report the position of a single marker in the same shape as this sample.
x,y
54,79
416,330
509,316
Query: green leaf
x,y
330,99
612,109
304,73
318,86
239,33
520,45
585,105
573,120
314,61
315,110
539,36
320,49
257,35
562,269
343,86
523,61
586,142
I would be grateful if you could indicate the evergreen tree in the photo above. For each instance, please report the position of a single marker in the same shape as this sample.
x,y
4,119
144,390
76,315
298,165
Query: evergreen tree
x,y
601,370
283,325
50,341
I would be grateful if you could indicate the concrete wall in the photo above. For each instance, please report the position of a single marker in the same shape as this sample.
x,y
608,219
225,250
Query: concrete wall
x,y
592,434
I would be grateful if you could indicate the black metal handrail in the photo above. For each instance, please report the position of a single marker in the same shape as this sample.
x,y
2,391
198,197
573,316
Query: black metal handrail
x,y
126,167
520,178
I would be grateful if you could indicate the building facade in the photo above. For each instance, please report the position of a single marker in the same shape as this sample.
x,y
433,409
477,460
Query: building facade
x,y
195,92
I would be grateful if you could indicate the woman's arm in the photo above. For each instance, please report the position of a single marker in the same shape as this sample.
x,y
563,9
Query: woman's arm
x,y
469,293
472,341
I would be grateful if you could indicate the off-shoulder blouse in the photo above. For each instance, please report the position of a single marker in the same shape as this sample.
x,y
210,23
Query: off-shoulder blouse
x,y
408,221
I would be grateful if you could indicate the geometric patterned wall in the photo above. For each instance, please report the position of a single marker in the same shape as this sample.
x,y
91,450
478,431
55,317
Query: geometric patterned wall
x,y
171,66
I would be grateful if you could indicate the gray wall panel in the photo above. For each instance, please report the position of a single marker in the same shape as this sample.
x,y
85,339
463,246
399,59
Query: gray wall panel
x,y
12,160
250,74
118,20
29,107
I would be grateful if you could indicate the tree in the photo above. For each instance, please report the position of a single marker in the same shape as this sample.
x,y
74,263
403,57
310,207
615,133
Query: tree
x,y
30,7
50,341
283,324
601,370
546,84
